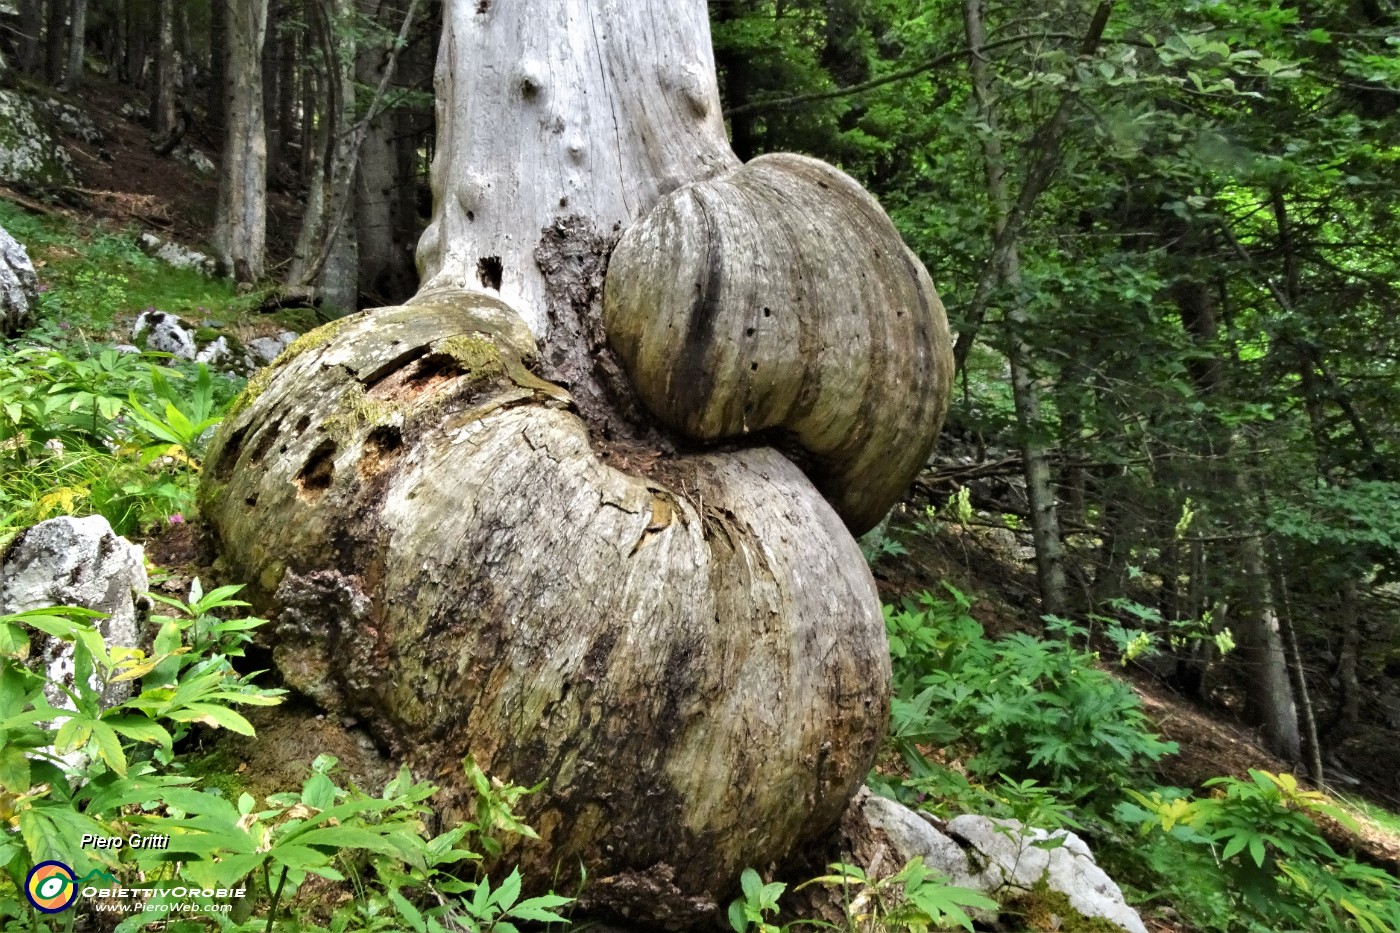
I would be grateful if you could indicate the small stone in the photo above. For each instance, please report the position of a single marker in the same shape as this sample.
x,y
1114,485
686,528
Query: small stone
x,y
195,159
173,254
164,333
266,349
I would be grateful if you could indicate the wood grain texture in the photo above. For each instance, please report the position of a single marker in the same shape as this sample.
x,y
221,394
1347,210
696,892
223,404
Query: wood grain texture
x,y
694,661
568,107
779,297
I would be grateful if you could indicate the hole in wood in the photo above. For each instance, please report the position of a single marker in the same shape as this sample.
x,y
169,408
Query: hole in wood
x,y
488,270
315,477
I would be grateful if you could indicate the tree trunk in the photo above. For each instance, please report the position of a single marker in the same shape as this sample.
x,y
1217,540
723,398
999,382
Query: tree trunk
x,y
217,101
116,59
56,38
31,47
163,103
1269,691
241,227
1040,489
477,543
386,271
77,44
272,88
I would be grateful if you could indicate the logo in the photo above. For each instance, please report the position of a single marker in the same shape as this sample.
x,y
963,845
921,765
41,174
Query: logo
x,y
51,887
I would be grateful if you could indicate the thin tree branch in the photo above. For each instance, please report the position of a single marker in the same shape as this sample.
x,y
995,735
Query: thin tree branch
x,y
1046,142
914,71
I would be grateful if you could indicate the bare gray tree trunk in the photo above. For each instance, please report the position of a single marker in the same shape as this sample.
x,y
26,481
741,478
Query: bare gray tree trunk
x,y
241,226
476,539
163,115
1269,690
77,44
1040,489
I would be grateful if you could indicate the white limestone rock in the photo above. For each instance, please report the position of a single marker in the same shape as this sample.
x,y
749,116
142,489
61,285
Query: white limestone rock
x,y
30,152
173,254
195,159
70,121
266,349
19,286
76,562
164,333
1001,858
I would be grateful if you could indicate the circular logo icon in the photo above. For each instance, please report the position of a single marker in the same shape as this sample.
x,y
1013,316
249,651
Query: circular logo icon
x,y
51,887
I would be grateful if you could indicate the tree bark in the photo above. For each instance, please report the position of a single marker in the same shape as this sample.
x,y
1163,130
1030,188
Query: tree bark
x,y
386,272
217,102
475,538
77,44
163,91
31,47
56,41
241,226
1040,490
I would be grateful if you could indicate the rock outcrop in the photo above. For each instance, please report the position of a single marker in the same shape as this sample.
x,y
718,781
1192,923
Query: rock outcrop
x,y
1001,858
19,286
30,151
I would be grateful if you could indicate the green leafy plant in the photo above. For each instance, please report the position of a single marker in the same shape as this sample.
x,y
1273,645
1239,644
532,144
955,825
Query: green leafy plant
x,y
79,767
916,899
178,431
1020,706
1261,836
751,910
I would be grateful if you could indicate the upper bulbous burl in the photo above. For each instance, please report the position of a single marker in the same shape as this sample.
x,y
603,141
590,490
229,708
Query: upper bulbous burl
x,y
779,298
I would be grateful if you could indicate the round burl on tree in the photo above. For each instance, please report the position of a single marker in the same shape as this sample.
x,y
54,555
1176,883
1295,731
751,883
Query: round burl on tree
x,y
691,657
779,297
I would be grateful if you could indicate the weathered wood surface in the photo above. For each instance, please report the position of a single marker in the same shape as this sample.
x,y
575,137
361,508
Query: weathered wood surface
x,y
477,548
780,296
550,109
694,661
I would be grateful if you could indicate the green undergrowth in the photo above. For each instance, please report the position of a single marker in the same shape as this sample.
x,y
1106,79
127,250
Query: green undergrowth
x,y
95,767
85,428
1034,729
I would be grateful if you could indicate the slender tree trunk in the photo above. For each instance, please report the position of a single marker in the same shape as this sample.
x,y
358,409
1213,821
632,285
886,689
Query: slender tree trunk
x,y
1040,490
241,232
163,90
288,87
272,88
56,40
1347,718
137,32
1308,719
77,45
31,45
1269,691
217,102
386,271
116,58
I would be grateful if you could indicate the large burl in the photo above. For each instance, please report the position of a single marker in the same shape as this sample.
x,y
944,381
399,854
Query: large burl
x,y
476,538
779,297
